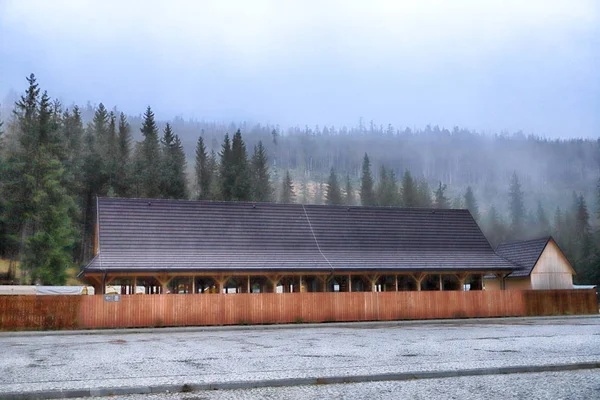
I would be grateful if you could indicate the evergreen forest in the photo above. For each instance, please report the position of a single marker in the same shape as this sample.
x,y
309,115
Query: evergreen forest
x,y
56,159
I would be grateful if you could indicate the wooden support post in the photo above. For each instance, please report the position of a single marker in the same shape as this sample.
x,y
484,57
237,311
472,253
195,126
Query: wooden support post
x,y
193,284
395,282
221,281
441,283
418,279
462,277
373,280
502,278
134,286
164,282
248,286
350,283
324,279
274,281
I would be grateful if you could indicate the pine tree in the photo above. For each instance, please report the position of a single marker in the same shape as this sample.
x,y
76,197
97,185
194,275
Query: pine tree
x,y
441,201
261,186
367,193
424,194
333,194
287,191
410,198
122,181
516,207
150,157
349,192
471,203
242,189
204,176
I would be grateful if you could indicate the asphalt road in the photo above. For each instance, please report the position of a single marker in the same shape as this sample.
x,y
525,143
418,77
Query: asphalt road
x,y
45,362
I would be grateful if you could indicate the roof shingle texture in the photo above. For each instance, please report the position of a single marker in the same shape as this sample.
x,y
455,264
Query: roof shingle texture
x,y
524,253
179,235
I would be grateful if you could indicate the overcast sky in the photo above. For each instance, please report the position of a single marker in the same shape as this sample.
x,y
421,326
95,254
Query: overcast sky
x,y
487,65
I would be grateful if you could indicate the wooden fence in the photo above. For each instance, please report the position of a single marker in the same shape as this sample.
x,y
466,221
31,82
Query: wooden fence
x,y
83,312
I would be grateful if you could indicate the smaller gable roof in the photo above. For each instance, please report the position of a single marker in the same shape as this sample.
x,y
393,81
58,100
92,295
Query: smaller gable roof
x,y
524,253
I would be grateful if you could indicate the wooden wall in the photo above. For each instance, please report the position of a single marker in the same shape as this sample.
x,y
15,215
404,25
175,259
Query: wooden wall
x,y
552,271
83,312
523,283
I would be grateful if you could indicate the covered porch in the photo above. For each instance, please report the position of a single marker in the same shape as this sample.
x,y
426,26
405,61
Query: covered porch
x,y
126,283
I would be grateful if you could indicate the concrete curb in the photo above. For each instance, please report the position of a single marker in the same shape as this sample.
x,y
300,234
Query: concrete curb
x,y
400,376
221,328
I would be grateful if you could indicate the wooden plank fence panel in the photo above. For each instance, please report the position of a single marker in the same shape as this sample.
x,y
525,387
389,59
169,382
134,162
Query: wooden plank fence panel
x,y
560,302
72,312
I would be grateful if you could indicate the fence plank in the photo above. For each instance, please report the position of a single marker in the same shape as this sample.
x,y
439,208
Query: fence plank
x,y
72,312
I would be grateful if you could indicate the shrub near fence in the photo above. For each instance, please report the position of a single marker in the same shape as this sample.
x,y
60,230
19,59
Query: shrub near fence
x,y
86,312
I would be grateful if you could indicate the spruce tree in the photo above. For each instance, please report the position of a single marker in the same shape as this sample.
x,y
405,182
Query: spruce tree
x,y
122,181
173,178
112,151
73,135
333,194
583,232
349,192
496,230
410,198
226,172
470,203
367,193
542,221
319,193
204,176
304,192
441,201
261,186
424,194
38,204
214,188
179,187
150,157
457,203
387,189
288,196
516,207
242,189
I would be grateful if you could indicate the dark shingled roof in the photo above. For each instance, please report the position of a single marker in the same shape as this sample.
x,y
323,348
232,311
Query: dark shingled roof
x,y
180,235
524,253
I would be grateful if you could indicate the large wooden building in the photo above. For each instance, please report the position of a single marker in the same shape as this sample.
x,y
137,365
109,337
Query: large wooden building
x,y
178,246
542,265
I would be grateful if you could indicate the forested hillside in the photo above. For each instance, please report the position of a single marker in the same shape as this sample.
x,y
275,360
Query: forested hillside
x,y
55,160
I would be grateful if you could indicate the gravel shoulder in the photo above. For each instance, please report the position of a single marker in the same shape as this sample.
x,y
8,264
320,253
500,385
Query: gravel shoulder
x,y
41,362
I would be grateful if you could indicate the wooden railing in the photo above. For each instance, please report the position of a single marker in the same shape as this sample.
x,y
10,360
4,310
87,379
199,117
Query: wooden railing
x,y
85,312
